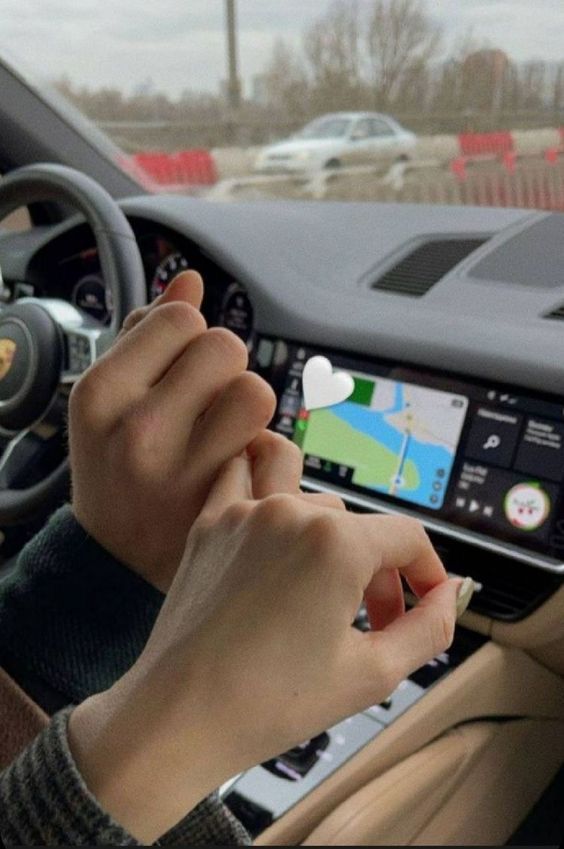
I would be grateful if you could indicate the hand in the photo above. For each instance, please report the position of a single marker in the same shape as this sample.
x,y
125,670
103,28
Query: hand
x,y
254,650
153,421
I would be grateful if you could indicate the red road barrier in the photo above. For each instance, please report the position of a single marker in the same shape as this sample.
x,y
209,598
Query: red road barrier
x,y
187,167
500,146
553,153
157,166
536,187
485,144
196,167
479,146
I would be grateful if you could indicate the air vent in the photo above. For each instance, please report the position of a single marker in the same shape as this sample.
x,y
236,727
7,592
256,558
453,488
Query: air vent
x,y
509,590
557,314
418,272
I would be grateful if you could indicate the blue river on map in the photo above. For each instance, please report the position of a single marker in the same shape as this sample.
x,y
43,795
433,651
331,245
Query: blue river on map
x,y
427,458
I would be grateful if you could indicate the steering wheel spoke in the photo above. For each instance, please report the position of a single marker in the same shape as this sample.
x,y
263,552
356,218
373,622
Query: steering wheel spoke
x,y
10,458
84,338
46,344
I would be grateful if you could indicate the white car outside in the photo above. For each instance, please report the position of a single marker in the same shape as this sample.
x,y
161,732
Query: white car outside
x,y
342,138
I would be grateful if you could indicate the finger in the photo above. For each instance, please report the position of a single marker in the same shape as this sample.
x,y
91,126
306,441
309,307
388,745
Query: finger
x,y
412,639
238,413
384,599
401,544
192,383
133,318
187,286
232,485
277,464
323,499
140,358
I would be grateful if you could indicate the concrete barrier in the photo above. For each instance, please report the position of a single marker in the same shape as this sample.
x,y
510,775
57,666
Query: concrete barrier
x,y
535,142
441,147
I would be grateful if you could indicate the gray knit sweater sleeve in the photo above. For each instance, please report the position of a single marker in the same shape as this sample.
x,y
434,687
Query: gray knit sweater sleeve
x,y
45,802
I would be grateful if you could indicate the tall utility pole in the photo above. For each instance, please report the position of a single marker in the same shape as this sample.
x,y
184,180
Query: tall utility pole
x,y
233,83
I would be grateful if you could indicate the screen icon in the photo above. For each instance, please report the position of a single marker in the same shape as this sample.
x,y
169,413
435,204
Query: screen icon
x,y
322,386
526,506
493,436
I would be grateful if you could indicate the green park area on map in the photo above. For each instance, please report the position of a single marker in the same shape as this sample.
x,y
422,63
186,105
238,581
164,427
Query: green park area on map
x,y
330,437
396,437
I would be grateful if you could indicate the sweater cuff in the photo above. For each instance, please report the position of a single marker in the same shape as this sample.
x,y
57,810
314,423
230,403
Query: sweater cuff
x,y
45,802
211,823
71,613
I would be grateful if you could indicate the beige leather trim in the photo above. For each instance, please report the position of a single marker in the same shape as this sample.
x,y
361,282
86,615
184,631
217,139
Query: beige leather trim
x,y
543,626
495,681
551,655
20,719
476,622
472,786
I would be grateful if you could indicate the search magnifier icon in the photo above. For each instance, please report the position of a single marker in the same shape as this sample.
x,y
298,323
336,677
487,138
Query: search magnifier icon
x,y
492,441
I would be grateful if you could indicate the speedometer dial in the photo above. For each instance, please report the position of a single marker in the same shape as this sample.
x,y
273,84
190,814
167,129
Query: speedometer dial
x,y
237,313
90,294
166,271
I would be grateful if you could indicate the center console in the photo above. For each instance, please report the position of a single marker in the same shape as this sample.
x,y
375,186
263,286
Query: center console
x,y
478,462
482,466
262,795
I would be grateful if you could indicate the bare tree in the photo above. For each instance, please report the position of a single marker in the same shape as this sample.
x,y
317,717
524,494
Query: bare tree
x,y
333,50
533,85
401,40
285,81
558,89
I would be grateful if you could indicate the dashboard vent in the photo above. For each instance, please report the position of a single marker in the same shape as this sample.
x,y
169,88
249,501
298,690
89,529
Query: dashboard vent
x,y
509,590
418,272
557,314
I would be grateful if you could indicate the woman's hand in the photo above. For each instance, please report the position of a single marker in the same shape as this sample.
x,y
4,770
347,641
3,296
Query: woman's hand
x,y
153,421
254,650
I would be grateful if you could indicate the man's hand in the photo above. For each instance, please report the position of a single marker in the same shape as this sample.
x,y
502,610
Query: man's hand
x,y
153,421
254,649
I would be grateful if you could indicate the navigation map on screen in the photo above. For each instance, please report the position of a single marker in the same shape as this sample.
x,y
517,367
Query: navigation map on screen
x,y
397,438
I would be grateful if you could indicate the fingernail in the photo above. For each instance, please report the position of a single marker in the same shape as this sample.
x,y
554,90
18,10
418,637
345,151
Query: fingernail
x,y
465,593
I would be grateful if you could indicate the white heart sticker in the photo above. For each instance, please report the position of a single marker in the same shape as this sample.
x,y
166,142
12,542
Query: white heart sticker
x,y
322,387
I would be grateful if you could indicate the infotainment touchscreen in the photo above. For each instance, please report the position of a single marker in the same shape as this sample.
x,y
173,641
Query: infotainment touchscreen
x,y
392,437
486,458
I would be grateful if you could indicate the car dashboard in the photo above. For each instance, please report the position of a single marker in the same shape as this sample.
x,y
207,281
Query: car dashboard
x,y
450,322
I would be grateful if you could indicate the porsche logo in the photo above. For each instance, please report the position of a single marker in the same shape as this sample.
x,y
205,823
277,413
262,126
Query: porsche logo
x,y
7,351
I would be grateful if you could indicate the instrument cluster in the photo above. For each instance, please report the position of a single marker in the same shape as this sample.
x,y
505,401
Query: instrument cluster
x,y
69,268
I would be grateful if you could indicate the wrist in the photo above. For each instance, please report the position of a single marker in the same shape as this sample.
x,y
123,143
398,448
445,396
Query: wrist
x,y
146,768
156,563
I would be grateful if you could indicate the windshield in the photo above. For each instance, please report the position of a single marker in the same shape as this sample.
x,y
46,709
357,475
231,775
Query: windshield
x,y
196,95
325,128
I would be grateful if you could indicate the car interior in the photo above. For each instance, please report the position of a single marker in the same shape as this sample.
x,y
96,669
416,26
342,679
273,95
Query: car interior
x,y
450,312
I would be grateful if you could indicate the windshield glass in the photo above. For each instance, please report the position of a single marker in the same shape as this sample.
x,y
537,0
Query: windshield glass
x,y
196,95
326,128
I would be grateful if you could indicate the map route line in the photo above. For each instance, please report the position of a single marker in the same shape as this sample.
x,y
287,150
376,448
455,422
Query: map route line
x,y
401,460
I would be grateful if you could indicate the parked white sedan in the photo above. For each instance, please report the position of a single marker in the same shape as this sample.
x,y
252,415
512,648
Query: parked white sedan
x,y
341,138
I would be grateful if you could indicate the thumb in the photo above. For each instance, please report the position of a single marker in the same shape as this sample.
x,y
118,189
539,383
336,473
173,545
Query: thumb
x,y
233,484
420,634
187,286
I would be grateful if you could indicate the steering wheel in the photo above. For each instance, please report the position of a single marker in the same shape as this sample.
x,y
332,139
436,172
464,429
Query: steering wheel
x,y
47,343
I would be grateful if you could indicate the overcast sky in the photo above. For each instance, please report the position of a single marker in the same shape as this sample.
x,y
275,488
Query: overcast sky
x,y
180,44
